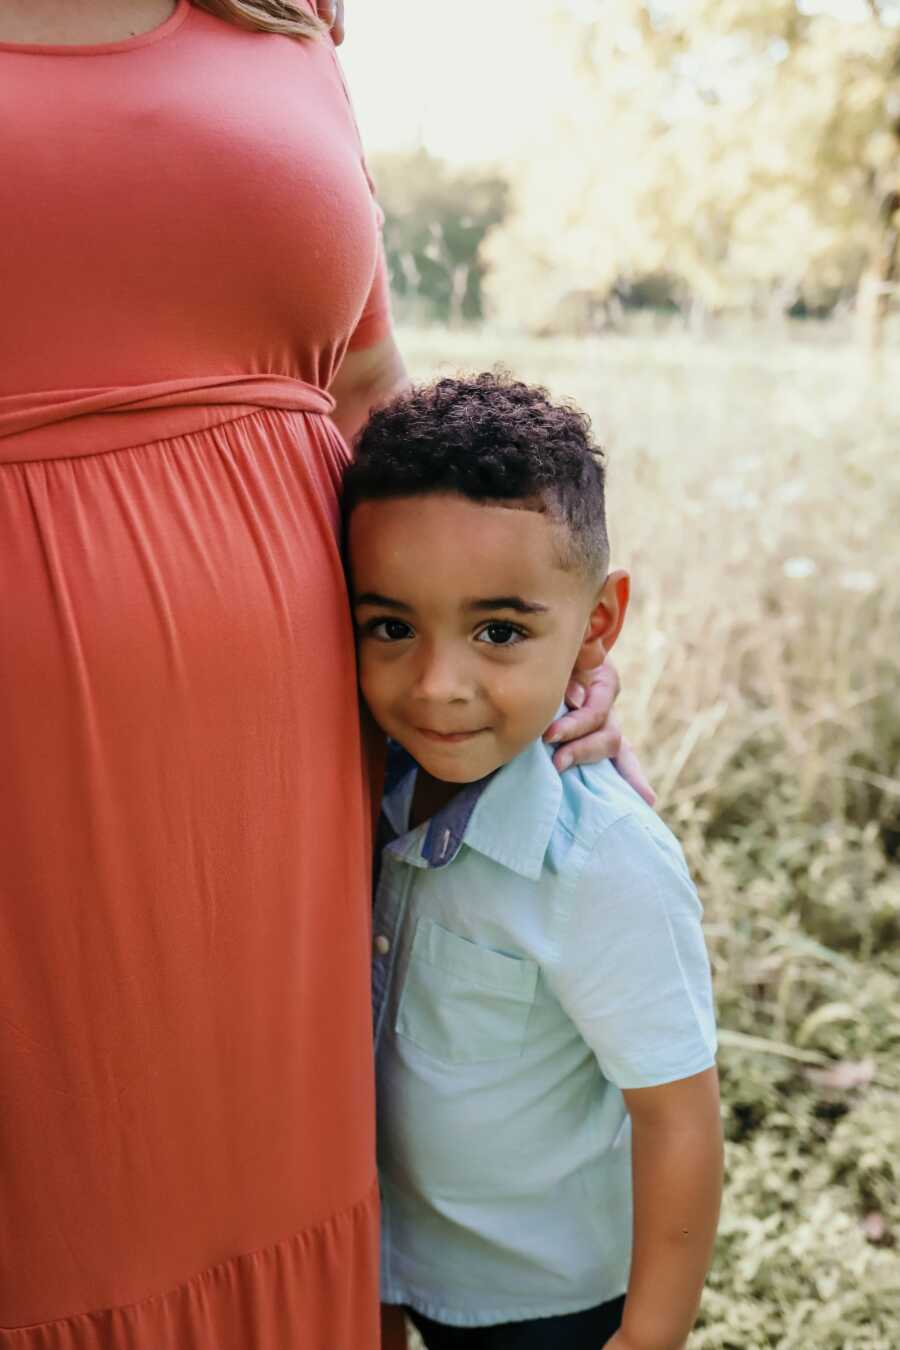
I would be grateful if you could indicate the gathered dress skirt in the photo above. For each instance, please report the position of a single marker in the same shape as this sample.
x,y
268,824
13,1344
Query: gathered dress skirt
x,y
186,1155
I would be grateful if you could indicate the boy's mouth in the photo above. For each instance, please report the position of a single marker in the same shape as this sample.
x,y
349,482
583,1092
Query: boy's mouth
x,y
449,737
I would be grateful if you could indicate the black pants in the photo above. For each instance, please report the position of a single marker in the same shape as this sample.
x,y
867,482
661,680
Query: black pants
x,y
576,1331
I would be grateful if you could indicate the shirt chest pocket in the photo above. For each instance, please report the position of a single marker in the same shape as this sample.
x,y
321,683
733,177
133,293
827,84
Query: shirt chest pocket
x,y
463,1003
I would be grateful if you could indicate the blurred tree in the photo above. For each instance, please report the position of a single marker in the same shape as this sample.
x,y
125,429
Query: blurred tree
x,y
577,226
750,148
786,138
436,220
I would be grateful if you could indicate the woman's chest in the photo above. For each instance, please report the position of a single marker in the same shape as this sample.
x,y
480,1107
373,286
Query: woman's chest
x,y
219,203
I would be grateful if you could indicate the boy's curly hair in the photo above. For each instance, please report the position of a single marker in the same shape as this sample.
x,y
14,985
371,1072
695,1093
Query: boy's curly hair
x,y
491,439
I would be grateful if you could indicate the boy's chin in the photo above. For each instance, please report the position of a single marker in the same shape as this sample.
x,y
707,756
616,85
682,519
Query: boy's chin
x,y
453,768
447,773
459,779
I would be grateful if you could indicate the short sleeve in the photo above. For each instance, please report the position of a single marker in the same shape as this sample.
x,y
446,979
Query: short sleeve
x,y
632,970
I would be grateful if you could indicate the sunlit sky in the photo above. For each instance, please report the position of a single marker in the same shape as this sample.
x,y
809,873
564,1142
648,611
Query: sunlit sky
x,y
468,79
461,77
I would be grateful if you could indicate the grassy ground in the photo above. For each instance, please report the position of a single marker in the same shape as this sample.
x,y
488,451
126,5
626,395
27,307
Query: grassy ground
x,y
755,495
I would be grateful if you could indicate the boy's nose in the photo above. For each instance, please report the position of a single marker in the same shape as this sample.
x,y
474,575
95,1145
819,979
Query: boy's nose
x,y
442,679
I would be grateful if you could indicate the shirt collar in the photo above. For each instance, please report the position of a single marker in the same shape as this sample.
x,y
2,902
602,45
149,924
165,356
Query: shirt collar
x,y
508,816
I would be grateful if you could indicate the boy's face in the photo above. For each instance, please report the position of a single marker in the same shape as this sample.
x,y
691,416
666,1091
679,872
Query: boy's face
x,y
468,626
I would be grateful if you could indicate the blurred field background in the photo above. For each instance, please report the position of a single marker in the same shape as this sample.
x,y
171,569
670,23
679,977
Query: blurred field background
x,y
685,216
754,494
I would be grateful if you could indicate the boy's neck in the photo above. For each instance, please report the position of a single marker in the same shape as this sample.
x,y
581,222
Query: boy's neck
x,y
430,796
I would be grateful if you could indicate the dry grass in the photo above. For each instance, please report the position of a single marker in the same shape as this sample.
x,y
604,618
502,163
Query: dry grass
x,y
755,495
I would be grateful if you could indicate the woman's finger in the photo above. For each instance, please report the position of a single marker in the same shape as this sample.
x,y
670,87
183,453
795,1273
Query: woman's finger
x,y
578,723
607,744
605,673
325,10
575,694
607,677
629,766
603,744
596,681
590,706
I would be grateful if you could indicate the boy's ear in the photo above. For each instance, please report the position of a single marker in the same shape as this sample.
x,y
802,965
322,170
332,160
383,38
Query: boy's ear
x,y
605,622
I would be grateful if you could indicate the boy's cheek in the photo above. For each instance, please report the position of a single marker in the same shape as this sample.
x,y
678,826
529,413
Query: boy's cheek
x,y
375,685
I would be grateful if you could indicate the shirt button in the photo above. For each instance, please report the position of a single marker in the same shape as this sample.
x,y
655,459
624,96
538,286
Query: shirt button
x,y
382,945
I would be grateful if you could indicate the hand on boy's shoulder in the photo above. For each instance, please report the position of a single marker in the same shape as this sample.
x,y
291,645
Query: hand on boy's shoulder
x,y
588,732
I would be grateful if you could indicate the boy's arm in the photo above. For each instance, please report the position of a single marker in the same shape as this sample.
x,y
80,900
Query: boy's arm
x,y
676,1149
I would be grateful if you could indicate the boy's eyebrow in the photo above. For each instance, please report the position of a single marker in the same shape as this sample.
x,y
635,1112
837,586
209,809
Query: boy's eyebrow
x,y
382,602
514,602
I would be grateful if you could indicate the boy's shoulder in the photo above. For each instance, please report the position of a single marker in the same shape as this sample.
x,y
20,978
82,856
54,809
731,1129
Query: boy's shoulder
x,y
600,811
547,825
596,796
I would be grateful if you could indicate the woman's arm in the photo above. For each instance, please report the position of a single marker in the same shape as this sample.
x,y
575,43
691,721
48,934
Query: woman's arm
x,y
365,379
676,1150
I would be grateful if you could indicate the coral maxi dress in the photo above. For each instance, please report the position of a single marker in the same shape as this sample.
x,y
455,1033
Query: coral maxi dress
x,y
188,246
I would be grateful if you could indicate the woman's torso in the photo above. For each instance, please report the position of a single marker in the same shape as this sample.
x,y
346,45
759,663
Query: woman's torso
x,y
186,1154
189,202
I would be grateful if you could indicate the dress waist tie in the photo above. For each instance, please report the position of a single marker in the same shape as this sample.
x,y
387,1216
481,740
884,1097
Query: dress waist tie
x,y
70,423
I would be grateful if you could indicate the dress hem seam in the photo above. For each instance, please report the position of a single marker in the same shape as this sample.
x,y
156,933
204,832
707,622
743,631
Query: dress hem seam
x,y
208,1273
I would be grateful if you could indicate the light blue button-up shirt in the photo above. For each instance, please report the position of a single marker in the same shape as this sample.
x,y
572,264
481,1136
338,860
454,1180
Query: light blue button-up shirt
x,y
537,949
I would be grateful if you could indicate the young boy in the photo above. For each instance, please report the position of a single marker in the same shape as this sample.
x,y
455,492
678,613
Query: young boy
x,y
548,1121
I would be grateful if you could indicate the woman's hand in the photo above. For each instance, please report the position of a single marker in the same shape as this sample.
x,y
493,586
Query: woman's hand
x,y
590,731
331,12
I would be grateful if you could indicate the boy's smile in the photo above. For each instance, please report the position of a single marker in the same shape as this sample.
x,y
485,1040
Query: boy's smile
x,y
469,621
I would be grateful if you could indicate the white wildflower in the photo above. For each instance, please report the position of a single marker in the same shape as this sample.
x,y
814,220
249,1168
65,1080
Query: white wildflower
x,y
861,582
800,568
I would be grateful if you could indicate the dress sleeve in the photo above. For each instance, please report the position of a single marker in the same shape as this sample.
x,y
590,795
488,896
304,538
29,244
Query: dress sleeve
x,y
632,969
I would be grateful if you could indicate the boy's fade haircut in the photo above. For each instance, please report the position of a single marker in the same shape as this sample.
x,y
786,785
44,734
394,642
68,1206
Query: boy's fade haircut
x,y
492,439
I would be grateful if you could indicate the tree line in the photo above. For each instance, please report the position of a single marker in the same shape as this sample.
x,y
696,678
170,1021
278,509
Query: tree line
x,y
711,155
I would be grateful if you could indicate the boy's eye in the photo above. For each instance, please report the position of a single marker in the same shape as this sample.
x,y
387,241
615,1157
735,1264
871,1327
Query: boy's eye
x,y
389,630
498,634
